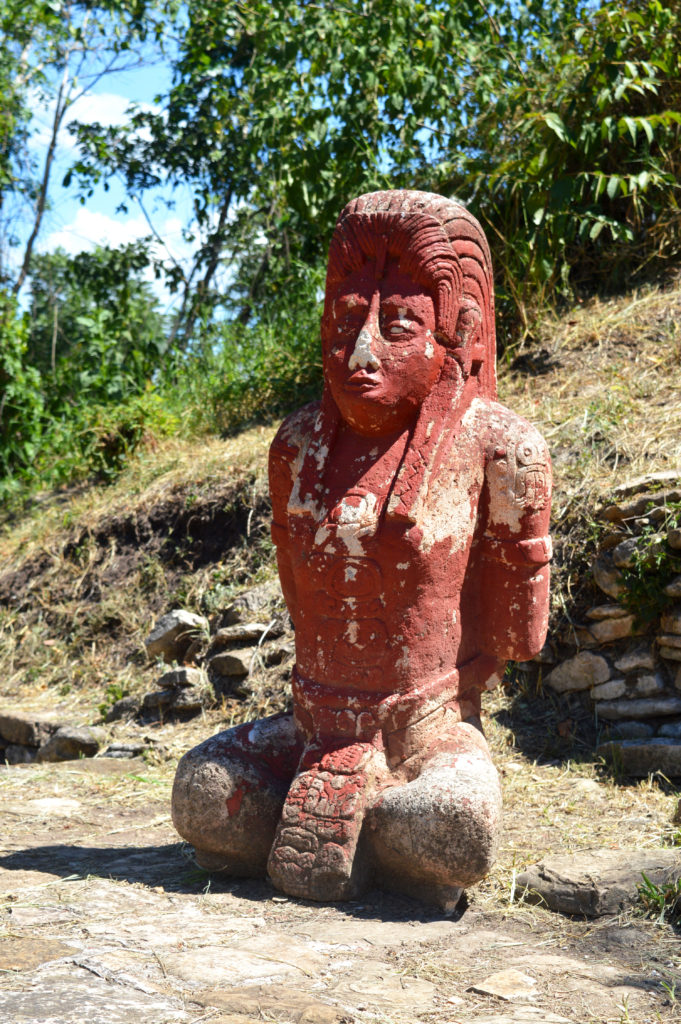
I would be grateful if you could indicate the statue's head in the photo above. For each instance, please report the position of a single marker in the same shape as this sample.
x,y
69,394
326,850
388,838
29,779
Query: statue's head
x,y
409,301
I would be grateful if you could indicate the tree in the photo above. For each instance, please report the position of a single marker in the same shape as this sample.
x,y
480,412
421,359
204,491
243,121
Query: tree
x,y
279,113
52,53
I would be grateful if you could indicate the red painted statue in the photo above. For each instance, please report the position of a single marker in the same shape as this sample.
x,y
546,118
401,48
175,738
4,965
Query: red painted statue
x,y
410,516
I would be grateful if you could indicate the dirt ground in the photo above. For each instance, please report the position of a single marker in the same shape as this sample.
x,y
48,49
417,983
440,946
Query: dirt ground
x,y
105,918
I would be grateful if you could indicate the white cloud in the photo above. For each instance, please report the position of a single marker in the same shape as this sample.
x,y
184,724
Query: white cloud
x,y
107,108
90,228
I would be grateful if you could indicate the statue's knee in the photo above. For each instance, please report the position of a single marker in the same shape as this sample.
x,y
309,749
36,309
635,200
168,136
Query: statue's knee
x,y
443,826
227,796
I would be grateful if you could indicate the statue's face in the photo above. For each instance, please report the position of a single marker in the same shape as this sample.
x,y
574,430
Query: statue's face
x,y
381,358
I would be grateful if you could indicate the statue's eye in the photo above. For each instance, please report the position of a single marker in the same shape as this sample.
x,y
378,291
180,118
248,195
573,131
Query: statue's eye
x,y
397,328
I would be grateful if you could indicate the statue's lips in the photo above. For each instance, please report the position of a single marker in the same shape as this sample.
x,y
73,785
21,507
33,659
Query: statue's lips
x,y
358,383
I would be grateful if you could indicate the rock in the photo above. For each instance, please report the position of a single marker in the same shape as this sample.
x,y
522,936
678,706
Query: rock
x,y
232,663
610,690
632,731
609,630
672,729
178,677
130,749
670,622
25,728
677,681
509,984
641,506
173,633
126,707
242,632
624,555
71,742
274,654
251,602
15,753
669,640
642,657
606,576
670,653
268,1002
606,611
178,700
674,539
641,757
648,685
648,707
640,483
673,589
596,882
579,673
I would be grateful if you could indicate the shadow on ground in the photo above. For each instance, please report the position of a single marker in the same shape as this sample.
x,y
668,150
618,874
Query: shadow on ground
x,y
172,868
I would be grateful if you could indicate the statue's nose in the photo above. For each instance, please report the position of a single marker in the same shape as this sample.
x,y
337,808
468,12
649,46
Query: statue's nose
x,y
364,353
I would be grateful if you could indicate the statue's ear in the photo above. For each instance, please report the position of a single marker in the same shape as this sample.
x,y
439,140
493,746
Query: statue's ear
x,y
468,347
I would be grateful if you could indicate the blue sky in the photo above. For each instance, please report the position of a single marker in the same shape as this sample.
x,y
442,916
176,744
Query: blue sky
x,y
73,226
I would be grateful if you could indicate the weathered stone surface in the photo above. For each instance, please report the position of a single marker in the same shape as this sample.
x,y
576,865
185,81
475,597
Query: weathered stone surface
x,y
647,685
25,728
624,554
579,673
232,663
70,743
181,677
173,633
609,691
377,493
677,678
176,700
606,611
241,632
509,985
596,882
132,748
607,576
15,753
609,630
670,621
263,1002
670,653
641,505
126,707
641,757
673,589
632,730
251,602
642,483
671,729
669,640
648,707
642,658
674,539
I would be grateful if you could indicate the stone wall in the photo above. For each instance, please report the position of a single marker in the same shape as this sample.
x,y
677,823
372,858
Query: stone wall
x,y
625,650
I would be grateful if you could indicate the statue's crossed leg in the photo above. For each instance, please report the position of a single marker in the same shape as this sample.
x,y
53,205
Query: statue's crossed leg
x,y
324,820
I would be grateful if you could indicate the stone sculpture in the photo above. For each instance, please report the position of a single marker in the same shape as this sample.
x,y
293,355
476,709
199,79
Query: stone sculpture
x,y
410,517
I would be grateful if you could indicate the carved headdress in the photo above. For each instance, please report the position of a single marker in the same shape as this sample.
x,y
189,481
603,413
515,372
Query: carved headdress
x,y
442,246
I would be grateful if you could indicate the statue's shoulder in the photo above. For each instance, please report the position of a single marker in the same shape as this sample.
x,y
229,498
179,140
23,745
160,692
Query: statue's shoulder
x,y
507,436
295,431
517,461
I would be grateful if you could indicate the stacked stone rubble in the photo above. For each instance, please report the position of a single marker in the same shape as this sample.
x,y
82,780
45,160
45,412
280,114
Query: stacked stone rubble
x,y
627,661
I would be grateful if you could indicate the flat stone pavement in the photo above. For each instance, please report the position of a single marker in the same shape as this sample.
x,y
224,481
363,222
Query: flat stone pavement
x,y
105,919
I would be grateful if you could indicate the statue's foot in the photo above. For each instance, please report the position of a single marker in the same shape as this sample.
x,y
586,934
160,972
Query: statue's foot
x,y
229,792
432,837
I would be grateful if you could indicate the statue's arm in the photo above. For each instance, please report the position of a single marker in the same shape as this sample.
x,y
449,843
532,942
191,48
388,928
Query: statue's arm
x,y
516,547
284,459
